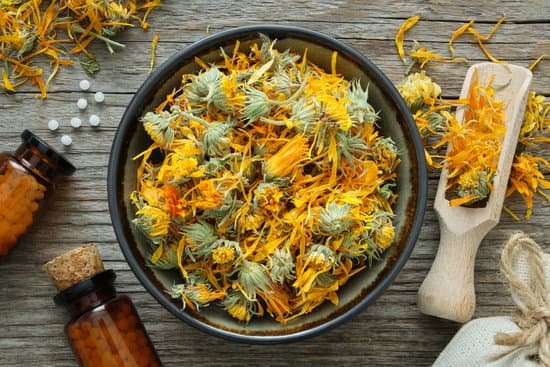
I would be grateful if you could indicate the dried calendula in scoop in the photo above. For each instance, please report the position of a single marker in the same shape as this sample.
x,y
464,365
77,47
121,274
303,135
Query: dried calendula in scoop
x,y
475,145
267,185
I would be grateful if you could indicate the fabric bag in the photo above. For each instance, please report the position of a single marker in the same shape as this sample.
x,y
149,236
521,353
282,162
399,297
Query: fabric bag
x,y
502,341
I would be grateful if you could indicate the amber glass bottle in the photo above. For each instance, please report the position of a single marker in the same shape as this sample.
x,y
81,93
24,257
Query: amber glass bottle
x,y
25,179
105,329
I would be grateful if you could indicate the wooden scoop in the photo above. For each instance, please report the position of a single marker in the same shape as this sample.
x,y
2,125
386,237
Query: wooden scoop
x,y
448,290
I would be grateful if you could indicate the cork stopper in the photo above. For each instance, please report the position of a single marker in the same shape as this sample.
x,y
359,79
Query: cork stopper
x,y
74,266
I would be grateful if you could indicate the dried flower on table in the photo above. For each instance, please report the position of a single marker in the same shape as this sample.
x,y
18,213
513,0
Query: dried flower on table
x,y
33,28
528,169
434,120
274,186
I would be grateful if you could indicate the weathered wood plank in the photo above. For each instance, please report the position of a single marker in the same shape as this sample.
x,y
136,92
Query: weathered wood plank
x,y
382,53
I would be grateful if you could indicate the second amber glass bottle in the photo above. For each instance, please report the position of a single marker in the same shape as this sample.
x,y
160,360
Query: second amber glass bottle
x,y
106,329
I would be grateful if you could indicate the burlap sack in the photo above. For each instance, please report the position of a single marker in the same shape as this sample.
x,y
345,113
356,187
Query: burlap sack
x,y
474,344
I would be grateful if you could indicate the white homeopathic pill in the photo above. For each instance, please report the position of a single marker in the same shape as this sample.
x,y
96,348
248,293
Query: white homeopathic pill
x,y
66,140
99,97
76,122
53,125
84,84
82,103
94,120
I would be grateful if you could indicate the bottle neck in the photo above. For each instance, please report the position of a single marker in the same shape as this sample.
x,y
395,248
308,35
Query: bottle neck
x,y
89,301
38,164
41,159
88,294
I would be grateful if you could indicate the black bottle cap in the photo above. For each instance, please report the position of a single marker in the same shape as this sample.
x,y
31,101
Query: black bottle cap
x,y
100,280
31,140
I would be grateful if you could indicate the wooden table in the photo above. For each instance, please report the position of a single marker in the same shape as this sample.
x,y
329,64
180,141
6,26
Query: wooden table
x,y
392,331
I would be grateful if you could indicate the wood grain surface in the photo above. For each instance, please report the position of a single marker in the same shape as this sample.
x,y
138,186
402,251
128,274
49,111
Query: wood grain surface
x,y
392,332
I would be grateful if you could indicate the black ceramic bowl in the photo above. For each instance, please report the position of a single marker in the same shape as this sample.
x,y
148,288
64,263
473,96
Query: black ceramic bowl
x,y
395,122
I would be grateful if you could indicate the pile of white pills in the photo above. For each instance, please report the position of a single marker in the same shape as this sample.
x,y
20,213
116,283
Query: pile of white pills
x,y
82,104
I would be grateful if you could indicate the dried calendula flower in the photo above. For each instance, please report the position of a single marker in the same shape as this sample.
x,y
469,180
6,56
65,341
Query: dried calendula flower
x,y
335,219
252,277
239,306
385,235
153,221
158,126
283,163
417,88
225,251
31,29
165,257
281,265
196,295
269,172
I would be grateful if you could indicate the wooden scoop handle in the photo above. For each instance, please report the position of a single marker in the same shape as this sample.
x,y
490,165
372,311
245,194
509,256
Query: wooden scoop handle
x,y
448,290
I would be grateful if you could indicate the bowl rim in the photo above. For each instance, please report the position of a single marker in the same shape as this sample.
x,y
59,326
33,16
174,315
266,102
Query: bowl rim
x,y
165,70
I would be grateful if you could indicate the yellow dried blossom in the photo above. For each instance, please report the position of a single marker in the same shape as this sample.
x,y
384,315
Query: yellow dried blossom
x,y
154,221
385,235
417,88
283,162
223,255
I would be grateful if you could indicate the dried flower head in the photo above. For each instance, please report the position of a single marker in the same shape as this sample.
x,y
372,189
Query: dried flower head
x,y
195,295
283,162
385,235
154,222
206,88
359,108
215,138
257,105
158,127
201,237
252,277
164,257
225,251
320,257
335,219
418,87
239,306
281,265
